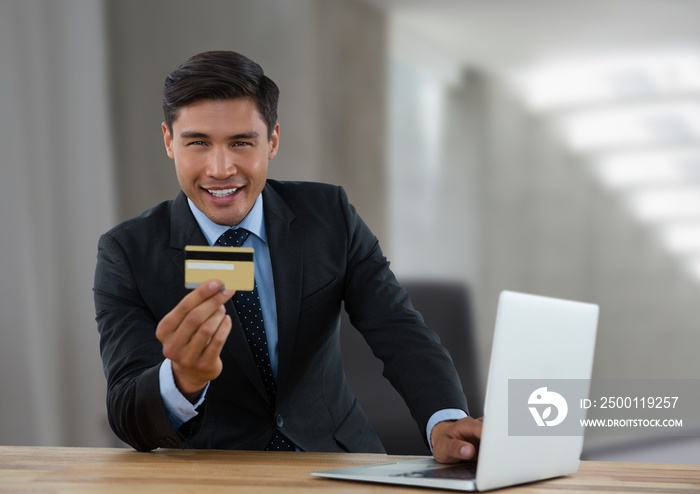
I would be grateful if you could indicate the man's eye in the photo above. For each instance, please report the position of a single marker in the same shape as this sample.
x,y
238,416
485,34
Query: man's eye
x,y
197,143
242,144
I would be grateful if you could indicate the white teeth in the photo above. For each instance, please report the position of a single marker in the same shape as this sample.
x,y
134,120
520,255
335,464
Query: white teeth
x,y
222,193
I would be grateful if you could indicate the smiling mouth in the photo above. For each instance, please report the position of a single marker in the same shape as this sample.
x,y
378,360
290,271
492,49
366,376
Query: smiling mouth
x,y
222,192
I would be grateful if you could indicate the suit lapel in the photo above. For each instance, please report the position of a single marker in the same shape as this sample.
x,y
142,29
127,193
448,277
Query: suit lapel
x,y
286,255
184,230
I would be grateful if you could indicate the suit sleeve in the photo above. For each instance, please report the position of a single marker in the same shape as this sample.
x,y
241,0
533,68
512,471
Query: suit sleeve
x,y
131,354
415,362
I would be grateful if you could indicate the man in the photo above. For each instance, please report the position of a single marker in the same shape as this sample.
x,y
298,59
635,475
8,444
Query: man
x,y
184,368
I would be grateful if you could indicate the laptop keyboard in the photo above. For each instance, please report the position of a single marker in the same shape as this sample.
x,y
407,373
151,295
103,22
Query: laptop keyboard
x,y
458,471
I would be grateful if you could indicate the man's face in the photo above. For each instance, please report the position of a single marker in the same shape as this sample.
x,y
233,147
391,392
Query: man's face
x,y
221,151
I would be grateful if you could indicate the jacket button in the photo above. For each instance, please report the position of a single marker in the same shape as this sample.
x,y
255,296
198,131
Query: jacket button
x,y
279,421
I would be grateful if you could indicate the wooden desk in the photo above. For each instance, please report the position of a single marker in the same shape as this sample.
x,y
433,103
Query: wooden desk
x,y
94,470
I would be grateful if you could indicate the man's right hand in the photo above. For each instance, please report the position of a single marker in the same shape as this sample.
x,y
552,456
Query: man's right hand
x,y
193,334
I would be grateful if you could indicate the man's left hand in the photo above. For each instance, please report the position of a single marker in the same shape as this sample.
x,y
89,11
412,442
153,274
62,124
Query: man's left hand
x,y
455,441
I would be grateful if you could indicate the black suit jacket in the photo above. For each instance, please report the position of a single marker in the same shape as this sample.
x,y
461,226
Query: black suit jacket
x,y
322,255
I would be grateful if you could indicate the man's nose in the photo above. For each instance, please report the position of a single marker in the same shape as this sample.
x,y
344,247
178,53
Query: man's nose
x,y
221,164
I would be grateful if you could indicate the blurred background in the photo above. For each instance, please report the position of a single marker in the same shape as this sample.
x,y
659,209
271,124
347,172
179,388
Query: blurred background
x,y
544,146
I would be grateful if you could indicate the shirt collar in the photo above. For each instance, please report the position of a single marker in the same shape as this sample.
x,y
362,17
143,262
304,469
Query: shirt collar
x,y
253,222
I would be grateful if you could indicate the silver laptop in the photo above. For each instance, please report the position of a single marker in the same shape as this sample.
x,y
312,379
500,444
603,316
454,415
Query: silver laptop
x,y
537,339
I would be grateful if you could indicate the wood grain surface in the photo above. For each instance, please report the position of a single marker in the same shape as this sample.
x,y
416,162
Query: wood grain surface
x,y
113,470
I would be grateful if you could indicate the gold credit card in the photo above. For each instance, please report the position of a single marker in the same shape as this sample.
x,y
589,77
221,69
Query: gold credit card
x,y
233,266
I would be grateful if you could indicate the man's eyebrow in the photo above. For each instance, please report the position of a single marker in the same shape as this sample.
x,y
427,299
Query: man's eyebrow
x,y
192,134
245,135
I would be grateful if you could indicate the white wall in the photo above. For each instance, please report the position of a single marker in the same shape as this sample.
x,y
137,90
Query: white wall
x,y
56,197
502,203
537,220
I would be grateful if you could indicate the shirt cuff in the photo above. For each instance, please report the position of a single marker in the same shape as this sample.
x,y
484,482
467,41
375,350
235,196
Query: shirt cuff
x,y
178,408
442,416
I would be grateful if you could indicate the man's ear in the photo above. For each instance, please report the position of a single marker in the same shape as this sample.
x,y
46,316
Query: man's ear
x,y
167,140
274,142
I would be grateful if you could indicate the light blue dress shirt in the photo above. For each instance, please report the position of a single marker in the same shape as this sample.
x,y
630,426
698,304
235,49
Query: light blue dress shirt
x,y
179,408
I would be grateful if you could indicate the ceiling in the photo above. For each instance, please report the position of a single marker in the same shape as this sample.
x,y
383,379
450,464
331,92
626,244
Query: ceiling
x,y
504,34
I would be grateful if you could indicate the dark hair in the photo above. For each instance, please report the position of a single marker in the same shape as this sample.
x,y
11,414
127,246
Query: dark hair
x,y
219,75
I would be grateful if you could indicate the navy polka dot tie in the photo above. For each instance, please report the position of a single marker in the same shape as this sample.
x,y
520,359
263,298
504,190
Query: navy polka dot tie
x,y
250,313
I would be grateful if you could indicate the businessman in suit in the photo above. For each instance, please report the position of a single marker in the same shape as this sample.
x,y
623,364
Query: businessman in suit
x,y
181,365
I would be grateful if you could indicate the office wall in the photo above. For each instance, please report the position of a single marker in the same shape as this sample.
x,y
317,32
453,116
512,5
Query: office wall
x,y
56,197
485,191
551,227
504,204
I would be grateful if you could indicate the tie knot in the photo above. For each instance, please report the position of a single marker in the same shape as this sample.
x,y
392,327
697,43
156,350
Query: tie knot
x,y
233,237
